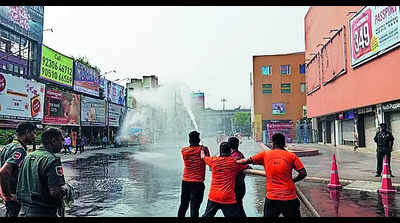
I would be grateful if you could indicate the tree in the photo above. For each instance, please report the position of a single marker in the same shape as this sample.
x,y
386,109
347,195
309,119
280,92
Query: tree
x,y
84,60
242,121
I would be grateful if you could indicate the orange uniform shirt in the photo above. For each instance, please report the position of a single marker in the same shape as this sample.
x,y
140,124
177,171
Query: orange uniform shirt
x,y
224,171
278,165
195,167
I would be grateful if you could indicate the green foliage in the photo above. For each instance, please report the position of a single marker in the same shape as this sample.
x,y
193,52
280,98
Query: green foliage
x,y
5,134
84,60
241,118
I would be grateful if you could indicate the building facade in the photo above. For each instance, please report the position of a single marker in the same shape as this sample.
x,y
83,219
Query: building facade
x,y
352,54
278,94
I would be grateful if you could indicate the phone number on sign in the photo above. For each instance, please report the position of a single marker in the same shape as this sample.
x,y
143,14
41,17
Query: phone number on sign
x,y
54,75
46,62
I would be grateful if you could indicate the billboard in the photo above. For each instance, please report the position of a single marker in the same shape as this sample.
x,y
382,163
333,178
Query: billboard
x,y
86,79
103,84
198,99
278,109
61,108
56,67
116,114
116,93
373,31
280,126
25,20
20,98
93,112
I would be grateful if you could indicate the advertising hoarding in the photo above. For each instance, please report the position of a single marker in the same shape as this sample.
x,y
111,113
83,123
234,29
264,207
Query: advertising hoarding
x,y
198,99
373,31
56,67
116,93
20,98
25,20
280,126
86,79
93,112
278,109
104,86
116,114
61,108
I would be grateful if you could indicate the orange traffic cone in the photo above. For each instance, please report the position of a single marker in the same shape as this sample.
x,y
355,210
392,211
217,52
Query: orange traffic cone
x,y
386,203
334,175
386,181
335,197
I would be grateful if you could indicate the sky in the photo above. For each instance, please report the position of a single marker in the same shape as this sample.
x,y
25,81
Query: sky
x,y
206,47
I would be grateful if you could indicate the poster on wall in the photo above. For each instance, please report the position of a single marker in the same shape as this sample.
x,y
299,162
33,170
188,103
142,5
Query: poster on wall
x,y
373,30
198,99
103,85
61,108
25,20
86,79
20,98
116,114
93,112
280,126
56,67
278,109
116,93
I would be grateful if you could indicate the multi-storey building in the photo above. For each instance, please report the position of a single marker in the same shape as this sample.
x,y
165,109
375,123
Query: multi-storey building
x,y
278,94
352,57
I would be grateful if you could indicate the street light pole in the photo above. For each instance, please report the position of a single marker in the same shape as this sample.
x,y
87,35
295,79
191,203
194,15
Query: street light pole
x,y
223,100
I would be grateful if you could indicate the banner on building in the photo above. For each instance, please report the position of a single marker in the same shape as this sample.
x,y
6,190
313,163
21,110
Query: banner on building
x,y
61,108
56,67
278,109
20,98
93,112
25,20
391,106
86,79
116,114
373,30
198,100
280,126
103,85
116,93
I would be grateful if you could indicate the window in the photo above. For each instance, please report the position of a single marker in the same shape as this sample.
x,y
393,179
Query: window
x,y
302,68
267,88
303,87
266,70
16,68
285,88
285,69
10,67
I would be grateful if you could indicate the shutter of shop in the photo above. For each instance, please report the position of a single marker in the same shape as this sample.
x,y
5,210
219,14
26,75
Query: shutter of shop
x,y
370,130
395,124
348,130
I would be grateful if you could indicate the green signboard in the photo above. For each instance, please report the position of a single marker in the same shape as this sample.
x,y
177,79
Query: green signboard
x,y
56,67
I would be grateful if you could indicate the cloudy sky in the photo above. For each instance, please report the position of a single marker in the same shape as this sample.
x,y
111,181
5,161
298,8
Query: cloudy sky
x,y
208,48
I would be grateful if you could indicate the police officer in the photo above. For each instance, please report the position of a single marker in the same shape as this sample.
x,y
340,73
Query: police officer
x,y
41,184
11,158
384,147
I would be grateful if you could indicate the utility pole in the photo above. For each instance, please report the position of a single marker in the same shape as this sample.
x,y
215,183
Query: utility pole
x,y
223,100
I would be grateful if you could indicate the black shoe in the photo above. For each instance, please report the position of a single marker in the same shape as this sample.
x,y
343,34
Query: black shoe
x,y
391,175
378,175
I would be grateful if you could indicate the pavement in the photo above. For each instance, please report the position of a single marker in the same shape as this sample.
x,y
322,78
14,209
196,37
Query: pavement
x,y
353,166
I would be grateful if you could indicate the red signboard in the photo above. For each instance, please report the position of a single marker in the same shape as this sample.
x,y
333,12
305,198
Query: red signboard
x,y
361,29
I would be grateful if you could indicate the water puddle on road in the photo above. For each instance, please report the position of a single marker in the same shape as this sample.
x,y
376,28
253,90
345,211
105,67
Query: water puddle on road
x,y
350,203
121,184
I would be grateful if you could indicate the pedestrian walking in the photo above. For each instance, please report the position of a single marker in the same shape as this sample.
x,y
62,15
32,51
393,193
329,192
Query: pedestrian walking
x,y
41,184
78,144
104,142
224,171
384,147
192,191
11,158
240,186
281,197
67,144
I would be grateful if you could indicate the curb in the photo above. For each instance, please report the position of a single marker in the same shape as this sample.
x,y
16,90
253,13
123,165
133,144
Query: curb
x,y
298,152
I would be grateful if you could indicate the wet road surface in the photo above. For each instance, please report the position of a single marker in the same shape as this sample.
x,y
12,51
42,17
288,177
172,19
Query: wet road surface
x,y
145,181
